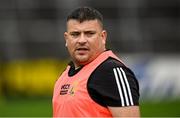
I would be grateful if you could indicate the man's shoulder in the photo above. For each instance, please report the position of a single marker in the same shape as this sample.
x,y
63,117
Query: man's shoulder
x,y
106,69
110,63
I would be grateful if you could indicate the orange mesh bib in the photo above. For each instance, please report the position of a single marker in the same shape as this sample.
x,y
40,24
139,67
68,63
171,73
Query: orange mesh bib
x,y
71,98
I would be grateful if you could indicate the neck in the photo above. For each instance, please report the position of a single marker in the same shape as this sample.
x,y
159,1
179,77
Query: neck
x,y
76,66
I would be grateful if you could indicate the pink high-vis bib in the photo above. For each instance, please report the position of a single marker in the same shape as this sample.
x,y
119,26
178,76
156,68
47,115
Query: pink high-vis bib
x,y
71,98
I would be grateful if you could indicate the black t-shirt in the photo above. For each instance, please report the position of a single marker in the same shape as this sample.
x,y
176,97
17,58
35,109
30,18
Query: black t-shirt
x,y
111,84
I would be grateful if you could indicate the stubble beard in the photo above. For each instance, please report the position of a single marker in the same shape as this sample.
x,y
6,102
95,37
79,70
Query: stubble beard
x,y
81,59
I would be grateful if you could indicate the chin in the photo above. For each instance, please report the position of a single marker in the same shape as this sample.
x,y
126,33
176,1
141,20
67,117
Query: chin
x,y
82,61
82,58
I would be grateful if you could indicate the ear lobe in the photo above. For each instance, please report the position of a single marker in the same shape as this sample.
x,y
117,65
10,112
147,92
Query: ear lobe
x,y
66,44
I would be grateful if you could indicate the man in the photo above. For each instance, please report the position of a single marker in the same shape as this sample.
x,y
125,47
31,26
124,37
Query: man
x,y
96,83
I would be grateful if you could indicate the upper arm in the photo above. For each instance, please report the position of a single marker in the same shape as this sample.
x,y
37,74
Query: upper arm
x,y
130,111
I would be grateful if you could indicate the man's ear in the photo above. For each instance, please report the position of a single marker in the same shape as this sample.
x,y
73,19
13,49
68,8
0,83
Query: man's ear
x,y
65,37
104,36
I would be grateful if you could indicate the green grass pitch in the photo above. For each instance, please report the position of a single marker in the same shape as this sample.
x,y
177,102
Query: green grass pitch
x,y
43,108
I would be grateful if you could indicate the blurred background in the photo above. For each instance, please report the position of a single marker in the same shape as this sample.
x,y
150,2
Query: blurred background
x,y
144,33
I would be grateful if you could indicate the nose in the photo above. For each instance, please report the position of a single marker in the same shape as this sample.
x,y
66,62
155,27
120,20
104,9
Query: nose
x,y
82,39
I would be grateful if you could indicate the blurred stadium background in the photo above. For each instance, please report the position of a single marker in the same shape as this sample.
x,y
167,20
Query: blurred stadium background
x,y
144,33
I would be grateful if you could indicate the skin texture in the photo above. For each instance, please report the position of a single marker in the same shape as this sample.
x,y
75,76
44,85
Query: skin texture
x,y
130,111
85,41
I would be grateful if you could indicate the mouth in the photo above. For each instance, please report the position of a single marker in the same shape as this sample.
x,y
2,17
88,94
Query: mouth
x,y
82,50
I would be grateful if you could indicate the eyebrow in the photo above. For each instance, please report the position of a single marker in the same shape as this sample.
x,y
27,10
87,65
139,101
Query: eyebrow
x,y
88,31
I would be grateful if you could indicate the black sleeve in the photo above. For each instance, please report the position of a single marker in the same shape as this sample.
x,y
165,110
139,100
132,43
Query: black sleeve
x,y
113,84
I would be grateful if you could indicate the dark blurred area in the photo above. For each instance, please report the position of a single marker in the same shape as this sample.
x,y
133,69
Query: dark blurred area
x,y
34,28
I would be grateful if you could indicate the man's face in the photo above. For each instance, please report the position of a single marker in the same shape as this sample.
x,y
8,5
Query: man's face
x,y
85,41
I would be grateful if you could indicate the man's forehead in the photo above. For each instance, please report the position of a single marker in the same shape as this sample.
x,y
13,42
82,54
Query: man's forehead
x,y
82,31
74,25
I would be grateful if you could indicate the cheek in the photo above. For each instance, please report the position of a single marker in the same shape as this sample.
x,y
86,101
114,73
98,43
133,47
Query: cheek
x,y
70,46
70,43
97,43
95,47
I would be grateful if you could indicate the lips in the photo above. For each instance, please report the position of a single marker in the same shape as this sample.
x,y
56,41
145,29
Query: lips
x,y
82,48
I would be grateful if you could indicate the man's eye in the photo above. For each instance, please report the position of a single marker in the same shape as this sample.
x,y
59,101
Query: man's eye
x,y
74,34
90,33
